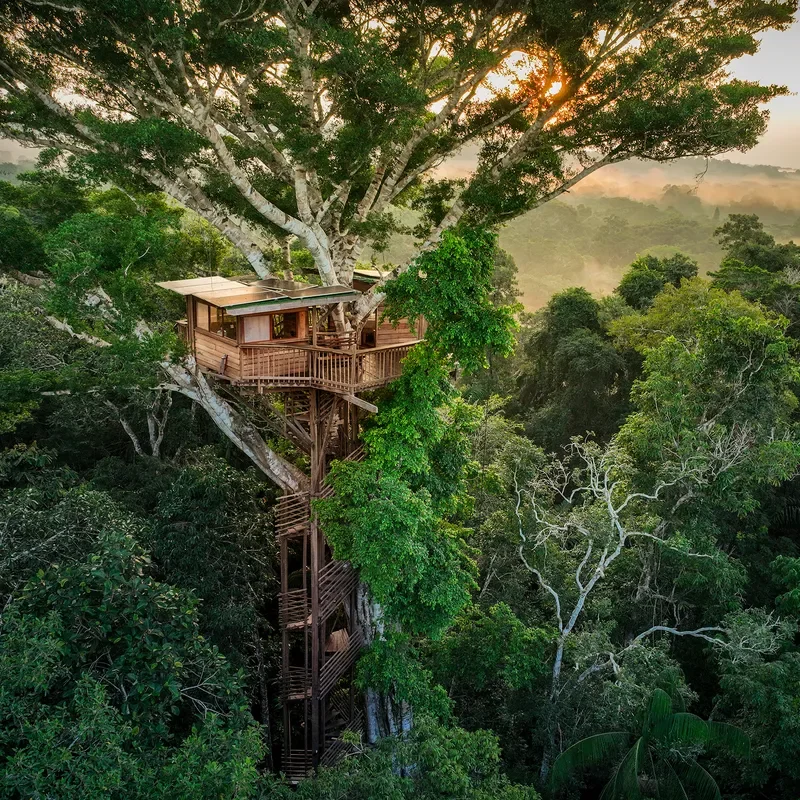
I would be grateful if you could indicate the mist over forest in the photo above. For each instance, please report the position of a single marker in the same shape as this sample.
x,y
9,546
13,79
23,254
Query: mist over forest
x,y
590,235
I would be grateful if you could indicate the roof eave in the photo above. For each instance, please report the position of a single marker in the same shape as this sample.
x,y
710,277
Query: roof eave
x,y
279,304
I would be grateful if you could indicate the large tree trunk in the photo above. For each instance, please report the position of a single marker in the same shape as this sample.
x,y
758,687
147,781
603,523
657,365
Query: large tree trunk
x,y
188,380
385,715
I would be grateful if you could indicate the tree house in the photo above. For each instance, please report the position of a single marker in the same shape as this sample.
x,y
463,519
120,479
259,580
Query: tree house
x,y
278,336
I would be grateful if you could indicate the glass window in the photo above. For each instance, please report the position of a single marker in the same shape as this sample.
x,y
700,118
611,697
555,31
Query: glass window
x,y
284,326
222,323
201,315
256,328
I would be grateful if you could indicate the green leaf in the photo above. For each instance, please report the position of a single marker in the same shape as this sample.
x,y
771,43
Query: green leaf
x,y
733,739
590,752
683,728
625,781
671,787
698,783
658,709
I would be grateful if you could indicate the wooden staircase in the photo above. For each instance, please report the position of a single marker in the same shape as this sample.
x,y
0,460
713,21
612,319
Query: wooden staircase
x,y
317,603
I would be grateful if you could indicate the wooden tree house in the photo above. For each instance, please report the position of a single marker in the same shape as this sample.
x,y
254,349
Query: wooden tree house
x,y
277,336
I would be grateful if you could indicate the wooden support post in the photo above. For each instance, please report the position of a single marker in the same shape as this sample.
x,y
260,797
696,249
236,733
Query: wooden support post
x,y
190,321
316,649
284,545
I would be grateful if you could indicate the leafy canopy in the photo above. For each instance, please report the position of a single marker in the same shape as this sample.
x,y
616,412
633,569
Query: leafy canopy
x,y
110,691
311,119
451,288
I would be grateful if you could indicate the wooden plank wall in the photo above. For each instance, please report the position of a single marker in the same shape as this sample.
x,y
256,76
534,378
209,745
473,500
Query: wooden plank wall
x,y
389,334
209,349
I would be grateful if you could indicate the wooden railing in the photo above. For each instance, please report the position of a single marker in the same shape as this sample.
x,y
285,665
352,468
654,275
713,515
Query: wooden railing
x,y
336,748
380,364
341,341
336,580
296,683
345,371
279,364
296,765
339,663
294,609
292,514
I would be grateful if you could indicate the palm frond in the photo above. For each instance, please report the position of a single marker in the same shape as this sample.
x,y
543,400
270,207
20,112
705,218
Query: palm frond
x,y
672,788
624,783
789,515
698,783
658,709
733,739
590,752
682,727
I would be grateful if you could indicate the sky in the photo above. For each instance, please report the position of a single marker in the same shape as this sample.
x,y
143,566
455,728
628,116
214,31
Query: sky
x,y
777,61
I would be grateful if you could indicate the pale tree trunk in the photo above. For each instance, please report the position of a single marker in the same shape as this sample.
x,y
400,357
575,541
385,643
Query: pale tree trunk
x,y
385,715
157,416
189,381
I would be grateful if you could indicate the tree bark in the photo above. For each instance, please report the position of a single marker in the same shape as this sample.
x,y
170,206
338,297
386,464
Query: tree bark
x,y
385,715
188,380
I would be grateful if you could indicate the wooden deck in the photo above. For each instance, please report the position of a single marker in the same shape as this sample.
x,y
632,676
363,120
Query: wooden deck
x,y
275,366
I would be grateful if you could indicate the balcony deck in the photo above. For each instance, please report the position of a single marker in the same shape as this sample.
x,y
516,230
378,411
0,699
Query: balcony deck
x,y
346,372
300,364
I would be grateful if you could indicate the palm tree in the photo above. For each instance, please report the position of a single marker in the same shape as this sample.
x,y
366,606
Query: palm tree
x,y
662,760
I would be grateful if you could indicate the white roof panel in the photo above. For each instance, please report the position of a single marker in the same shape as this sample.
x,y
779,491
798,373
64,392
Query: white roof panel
x,y
212,283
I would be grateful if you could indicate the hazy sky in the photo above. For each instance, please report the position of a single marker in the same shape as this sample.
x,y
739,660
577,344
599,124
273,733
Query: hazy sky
x,y
778,61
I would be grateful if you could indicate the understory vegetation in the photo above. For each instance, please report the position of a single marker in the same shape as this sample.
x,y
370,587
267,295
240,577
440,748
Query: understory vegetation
x,y
585,546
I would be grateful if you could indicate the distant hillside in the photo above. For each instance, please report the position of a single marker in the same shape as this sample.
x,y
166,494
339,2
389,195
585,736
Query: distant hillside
x,y
9,169
589,236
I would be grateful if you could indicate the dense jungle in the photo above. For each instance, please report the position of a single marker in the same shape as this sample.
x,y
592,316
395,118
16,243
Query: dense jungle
x,y
619,495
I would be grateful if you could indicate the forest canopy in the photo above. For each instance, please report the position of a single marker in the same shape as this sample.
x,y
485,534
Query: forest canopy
x,y
598,533
563,545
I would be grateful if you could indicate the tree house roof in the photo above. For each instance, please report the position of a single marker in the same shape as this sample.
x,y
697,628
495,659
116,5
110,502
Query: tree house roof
x,y
239,298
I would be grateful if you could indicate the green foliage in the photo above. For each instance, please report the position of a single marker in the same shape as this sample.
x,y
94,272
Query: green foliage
x,y
787,572
415,563
451,287
20,245
759,693
435,763
47,520
648,275
110,691
713,363
389,515
572,378
745,239
123,245
214,513
484,647
662,759
392,666
395,515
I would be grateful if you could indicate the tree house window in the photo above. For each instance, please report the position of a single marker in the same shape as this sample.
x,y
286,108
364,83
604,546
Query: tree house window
x,y
256,328
215,320
222,323
201,315
285,326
